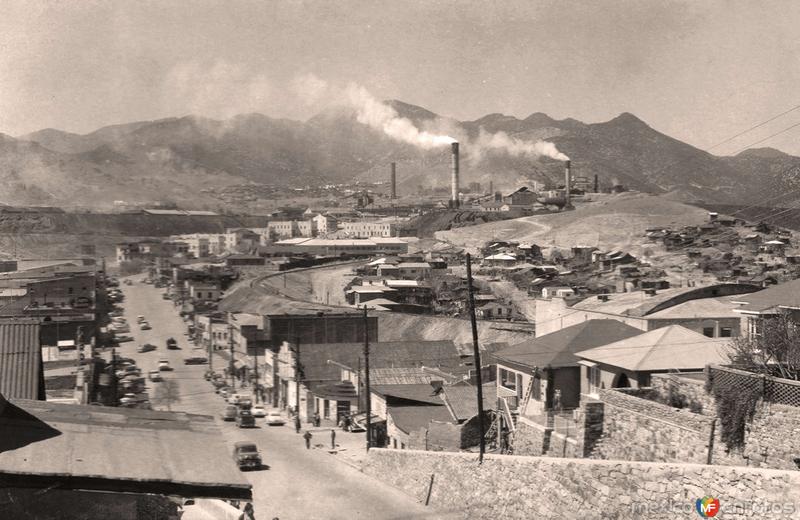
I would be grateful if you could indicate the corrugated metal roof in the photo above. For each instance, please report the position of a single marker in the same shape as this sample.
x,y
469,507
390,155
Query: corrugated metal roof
x,y
20,355
130,448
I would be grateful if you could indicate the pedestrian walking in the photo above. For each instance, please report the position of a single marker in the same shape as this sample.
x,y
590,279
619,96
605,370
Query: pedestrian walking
x,y
333,439
316,419
297,423
307,436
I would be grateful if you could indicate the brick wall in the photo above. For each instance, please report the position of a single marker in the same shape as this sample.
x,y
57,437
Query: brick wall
x,y
537,487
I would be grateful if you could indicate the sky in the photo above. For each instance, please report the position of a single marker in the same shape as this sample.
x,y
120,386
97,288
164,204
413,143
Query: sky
x,y
700,71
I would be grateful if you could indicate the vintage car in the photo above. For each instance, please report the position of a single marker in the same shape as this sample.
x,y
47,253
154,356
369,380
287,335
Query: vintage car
x,y
246,455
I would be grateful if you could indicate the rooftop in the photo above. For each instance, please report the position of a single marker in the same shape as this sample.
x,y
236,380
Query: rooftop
x,y
413,418
786,295
20,357
423,393
463,399
639,304
667,348
117,449
558,348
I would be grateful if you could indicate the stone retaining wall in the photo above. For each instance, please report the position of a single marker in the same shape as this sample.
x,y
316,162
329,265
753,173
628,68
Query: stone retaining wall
x,y
641,429
538,487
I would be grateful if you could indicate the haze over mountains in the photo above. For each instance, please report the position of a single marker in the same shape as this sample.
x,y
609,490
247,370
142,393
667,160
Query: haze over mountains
x,y
173,159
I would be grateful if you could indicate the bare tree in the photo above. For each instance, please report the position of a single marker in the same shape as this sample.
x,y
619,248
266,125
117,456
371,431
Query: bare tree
x,y
775,351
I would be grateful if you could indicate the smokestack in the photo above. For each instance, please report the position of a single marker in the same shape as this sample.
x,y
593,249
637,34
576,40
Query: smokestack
x,y
596,183
491,187
567,183
454,202
393,180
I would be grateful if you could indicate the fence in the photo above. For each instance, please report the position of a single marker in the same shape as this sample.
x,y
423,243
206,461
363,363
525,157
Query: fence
x,y
774,389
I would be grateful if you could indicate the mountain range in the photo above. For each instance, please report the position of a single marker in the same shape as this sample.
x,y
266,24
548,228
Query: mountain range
x,y
187,159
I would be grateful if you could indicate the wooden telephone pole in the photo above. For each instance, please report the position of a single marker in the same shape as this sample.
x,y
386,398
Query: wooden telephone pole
x,y
366,380
477,355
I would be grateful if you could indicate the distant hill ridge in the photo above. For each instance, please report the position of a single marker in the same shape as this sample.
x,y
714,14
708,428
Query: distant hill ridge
x,y
177,157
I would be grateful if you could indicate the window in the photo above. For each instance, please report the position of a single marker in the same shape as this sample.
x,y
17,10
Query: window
x,y
69,290
594,380
508,379
402,445
708,331
725,332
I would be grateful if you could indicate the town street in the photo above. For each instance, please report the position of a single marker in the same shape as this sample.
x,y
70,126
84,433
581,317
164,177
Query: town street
x,y
299,483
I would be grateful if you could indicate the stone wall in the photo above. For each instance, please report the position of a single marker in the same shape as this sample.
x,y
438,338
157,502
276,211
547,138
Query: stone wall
x,y
773,438
530,438
640,429
694,390
549,488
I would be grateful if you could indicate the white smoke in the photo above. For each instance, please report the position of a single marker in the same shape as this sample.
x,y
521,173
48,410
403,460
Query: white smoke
x,y
380,116
503,142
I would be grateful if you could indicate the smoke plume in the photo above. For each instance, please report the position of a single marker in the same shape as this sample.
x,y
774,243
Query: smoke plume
x,y
378,115
503,142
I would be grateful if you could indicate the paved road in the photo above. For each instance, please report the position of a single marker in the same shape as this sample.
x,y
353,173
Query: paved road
x,y
300,483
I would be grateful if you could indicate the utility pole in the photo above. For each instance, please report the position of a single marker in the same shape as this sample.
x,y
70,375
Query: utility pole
x,y
366,380
297,376
231,367
477,355
255,370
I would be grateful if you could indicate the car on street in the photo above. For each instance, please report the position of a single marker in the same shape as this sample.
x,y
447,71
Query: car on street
x,y
274,418
246,455
172,344
140,319
128,399
163,365
145,326
245,403
229,414
155,376
123,339
195,360
147,347
128,282
258,410
244,419
224,391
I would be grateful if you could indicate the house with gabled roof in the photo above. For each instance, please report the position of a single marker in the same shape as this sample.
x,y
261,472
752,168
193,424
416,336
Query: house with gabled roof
x,y
629,362
545,370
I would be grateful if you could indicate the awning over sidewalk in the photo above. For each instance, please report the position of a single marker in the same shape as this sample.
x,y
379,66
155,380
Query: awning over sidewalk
x,y
341,391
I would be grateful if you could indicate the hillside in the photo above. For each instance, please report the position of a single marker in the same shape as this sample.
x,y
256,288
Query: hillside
x,y
611,222
176,158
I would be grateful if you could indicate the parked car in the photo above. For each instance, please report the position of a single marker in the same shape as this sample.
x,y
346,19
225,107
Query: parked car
x,y
145,326
258,410
172,344
244,419
234,398
274,418
246,455
140,319
196,360
229,414
128,399
245,403
155,376
123,339
147,347
163,365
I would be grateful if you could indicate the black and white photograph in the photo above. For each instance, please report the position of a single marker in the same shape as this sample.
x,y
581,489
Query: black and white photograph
x,y
384,260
